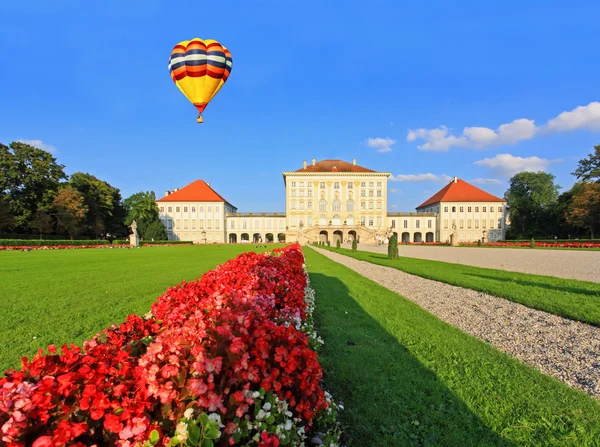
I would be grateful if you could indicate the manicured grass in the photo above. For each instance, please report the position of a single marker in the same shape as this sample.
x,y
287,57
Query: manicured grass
x,y
570,298
67,296
407,378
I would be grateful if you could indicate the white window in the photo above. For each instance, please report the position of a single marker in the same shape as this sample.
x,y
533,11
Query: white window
x,y
461,209
446,223
293,193
322,185
350,205
476,209
484,209
378,221
445,209
492,224
201,209
379,184
454,209
379,193
301,193
393,223
193,224
202,224
217,224
301,205
162,209
169,224
469,209
417,223
370,221
362,220
371,193
293,184
185,209
310,205
245,224
370,205
362,184
362,205
337,205
405,223
379,205
177,209
476,223
370,184
429,223
461,224
310,193
193,209
232,225
216,209
170,209
499,209
293,204
362,193
301,184
209,224
350,185
336,185
469,223
483,223
322,205
209,209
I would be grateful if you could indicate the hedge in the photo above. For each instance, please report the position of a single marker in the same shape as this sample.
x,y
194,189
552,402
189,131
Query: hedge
x,y
49,243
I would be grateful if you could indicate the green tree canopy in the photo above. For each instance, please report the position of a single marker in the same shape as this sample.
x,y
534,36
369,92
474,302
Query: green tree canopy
x,y
29,180
588,169
105,212
584,209
70,211
531,197
142,208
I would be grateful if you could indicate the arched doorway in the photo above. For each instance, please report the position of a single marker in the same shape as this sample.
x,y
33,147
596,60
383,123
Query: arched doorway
x,y
338,236
281,237
351,235
256,238
418,237
269,237
350,220
405,237
336,220
245,238
429,237
323,236
322,220
233,238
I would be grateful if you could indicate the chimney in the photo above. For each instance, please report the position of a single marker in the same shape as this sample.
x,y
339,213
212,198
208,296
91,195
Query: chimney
x,y
314,161
304,164
354,162
208,183
167,193
175,189
455,179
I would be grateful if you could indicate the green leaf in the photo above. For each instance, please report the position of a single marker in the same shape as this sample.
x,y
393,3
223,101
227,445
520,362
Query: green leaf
x,y
118,411
208,443
194,434
204,419
213,433
271,420
154,437
174,441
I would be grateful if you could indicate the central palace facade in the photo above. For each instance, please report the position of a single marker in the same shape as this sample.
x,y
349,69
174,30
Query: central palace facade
x,y
330,200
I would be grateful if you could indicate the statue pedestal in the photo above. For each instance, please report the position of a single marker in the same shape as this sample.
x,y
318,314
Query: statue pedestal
x,y
454,239
134,241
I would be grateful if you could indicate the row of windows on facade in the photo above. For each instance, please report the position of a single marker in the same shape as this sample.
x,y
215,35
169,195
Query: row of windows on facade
x,y
336,205
336,185
363,193
461,223
462,209
336,220
186,224
185,209
417,223
268,224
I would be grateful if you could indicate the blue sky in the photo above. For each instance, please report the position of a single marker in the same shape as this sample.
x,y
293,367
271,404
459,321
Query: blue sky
x,y
432,81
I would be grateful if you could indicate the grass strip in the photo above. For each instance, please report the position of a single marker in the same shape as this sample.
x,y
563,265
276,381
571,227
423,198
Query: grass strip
x,y
569,298
407,378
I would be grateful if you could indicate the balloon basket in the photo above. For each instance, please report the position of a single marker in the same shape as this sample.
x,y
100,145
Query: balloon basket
x,y
200,119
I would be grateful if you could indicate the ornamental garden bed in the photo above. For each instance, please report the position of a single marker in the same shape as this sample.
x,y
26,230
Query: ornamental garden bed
x,y
229,359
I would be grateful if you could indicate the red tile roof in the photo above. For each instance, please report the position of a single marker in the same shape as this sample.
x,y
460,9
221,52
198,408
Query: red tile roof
x,y
334,166
460,191
197,191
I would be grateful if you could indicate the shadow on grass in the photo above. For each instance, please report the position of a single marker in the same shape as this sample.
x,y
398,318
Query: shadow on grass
x,y
390,397
541,283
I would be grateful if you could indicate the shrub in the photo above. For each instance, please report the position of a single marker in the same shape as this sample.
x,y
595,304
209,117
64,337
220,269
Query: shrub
x,y
354,245
393,247
49,243
532,243
201,365
338,243
329,243
479,242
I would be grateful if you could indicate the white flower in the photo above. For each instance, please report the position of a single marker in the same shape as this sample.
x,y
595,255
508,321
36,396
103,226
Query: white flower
x,y
181,432
267,406
288,425
261,415
188,413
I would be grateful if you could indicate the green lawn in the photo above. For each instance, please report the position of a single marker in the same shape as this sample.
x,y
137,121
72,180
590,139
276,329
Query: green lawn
x,y
570,298
64,296
407,378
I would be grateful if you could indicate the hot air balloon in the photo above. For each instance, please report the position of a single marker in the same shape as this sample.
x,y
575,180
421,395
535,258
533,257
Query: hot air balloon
x,y
199,68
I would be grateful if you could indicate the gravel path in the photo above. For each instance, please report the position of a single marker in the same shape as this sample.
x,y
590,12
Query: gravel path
x,y
565,349
570,264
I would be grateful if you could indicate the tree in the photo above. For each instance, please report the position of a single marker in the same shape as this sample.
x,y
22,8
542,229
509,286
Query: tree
x,y
142,208
584,209
588,169
393,247
70,211
6,218
29,179
530,198
42,222
106,213
354,244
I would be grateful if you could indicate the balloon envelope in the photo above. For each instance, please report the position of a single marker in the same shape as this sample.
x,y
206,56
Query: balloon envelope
x,y
199,68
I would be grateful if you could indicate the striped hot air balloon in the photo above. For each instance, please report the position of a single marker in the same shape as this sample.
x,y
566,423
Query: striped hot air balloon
x,y
199,68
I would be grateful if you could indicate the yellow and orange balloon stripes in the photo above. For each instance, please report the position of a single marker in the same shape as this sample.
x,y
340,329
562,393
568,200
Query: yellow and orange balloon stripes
x,y
199,68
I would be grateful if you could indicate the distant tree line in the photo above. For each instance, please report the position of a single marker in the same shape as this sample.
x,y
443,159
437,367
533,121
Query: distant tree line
x,y
38,198
537,210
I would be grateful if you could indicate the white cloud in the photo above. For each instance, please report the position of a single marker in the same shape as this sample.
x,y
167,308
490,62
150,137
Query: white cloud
x,y
582,117
507,165
474,137
429,177
395,206
441,139
381,144
40,145
486,181
393,189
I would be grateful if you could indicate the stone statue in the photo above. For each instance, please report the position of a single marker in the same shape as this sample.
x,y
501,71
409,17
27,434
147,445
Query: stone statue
x,y
133,227
453,226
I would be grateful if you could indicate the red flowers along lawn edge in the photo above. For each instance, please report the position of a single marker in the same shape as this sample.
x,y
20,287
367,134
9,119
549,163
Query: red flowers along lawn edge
x,y
229,359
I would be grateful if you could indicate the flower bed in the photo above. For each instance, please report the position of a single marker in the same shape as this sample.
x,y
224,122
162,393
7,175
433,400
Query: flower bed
x,y
537,244
58,247
228,359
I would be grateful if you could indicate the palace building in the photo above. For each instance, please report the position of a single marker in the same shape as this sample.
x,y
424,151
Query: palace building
x,y
330,200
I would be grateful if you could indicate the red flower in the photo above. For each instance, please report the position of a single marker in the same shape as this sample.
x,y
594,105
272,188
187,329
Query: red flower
x,y
268,440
